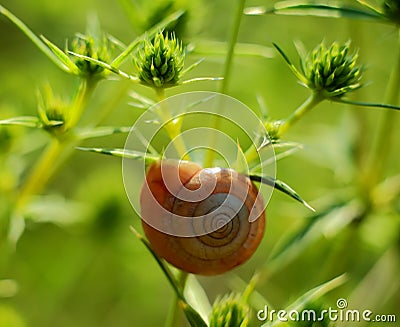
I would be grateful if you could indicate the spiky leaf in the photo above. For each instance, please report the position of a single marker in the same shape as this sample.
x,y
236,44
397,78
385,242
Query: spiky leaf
x,y
123,153
314,8
281,186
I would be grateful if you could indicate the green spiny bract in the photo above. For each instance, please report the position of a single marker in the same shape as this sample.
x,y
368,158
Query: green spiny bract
x,y
88,46
273,129
160,61
391,8
229,311
52,112
332,71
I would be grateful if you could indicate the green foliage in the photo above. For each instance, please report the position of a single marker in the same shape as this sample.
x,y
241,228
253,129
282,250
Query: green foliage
x,y
318,8
64,216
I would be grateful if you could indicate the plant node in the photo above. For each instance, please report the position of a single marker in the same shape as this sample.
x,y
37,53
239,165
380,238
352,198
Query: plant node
x,y
273,128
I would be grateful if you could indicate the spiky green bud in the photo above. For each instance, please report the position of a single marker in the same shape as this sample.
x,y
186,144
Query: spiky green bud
x,y
229,311
160,61
332,71
273,129
52,112
391,8
88,46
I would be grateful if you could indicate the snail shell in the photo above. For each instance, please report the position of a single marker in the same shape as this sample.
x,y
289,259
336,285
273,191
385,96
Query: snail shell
x,y
232,210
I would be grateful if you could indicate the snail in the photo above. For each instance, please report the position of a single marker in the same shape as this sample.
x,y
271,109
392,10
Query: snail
x,y
202,221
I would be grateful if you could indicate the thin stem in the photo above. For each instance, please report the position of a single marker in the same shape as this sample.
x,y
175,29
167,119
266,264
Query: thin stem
x,y
314,99
210,154
114,101
57,149
173,313
83,94
232,44
251,286
175,310
168,274
367,104
251,154
359,118
172,127
41,173
182,279
173,130
381,146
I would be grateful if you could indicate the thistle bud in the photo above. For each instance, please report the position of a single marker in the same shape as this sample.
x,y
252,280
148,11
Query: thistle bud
x,y
273,128
160,61
52,112
332,71
88,46
229,311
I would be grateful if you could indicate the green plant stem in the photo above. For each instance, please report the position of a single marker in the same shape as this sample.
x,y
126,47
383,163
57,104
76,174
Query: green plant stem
x,y
83,94
227,72
251,286
359,118
115,99
175,310
182,279
40,174
314,99
56,150
381,146
172,127
231,47
251,154
173,313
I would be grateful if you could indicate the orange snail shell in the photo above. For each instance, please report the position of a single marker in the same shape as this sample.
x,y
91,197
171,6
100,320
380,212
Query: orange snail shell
x,y
213,253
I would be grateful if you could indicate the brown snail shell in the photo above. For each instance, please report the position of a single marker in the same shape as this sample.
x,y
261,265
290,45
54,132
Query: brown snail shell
x,y
232,240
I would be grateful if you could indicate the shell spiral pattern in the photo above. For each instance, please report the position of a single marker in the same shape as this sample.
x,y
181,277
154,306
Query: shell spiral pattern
x,y
219,206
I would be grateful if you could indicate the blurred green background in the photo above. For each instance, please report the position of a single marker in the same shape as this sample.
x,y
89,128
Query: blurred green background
x,y
78,264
